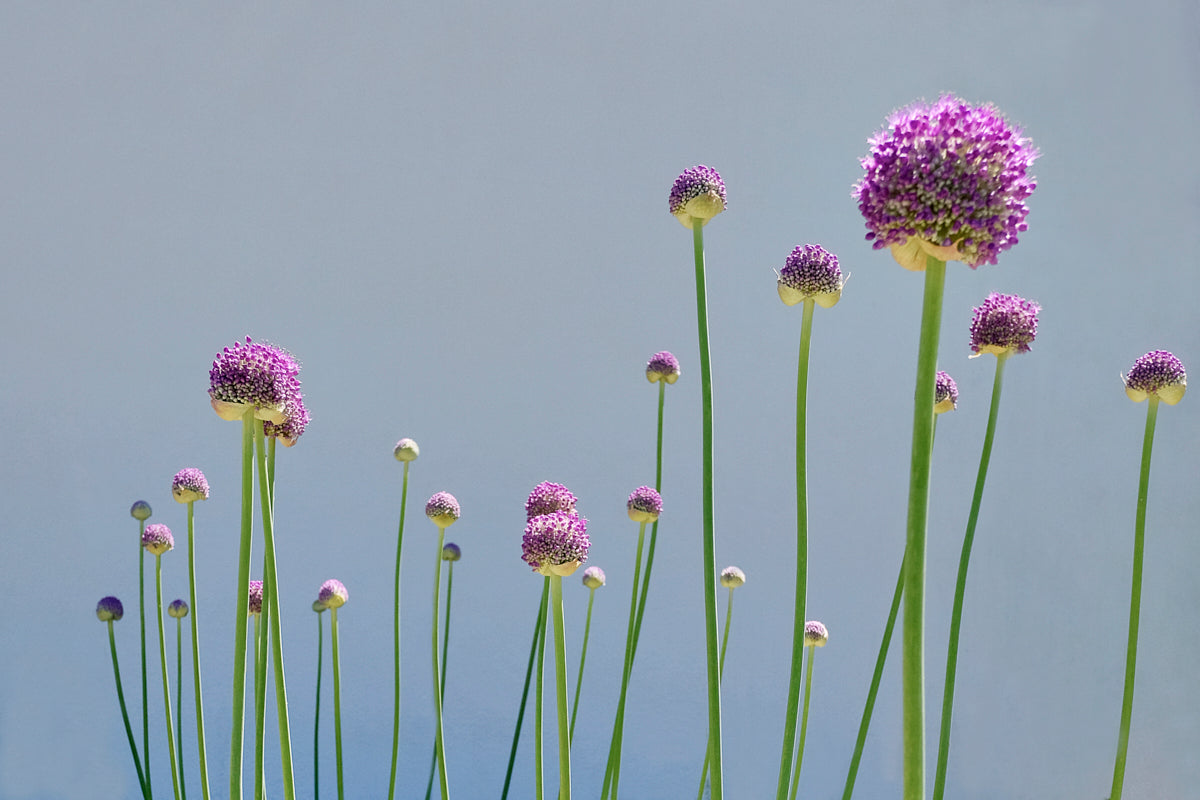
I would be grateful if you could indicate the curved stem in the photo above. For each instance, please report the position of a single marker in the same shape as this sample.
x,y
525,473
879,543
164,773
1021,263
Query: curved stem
x,y
439,739
317,715
196,683
162,658
240,622
612,774
145,690
396,639
812,652
587,628
137,761
179,704
538,700
337,698
445,653
1135,603
538,628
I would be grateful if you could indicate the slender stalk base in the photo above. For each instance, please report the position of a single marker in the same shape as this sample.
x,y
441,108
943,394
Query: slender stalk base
x,y
612,774
162,658
587,629
724,642
240,621
439,740
179,705
196,683
539,627
260,703
337,698
560,689
145,691
812,652
396,639
445,653
317,714
538,713
137,761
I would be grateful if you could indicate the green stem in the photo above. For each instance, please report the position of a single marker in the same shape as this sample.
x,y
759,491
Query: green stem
x,y
939,780
812,652
918,517
137,761
145,690
240,622
439,739
637,627
162,658
587,628
724,642
798,619
337,698
317,715
1135,602
538,628
196,683
179,704
260,701
560,689
445,660
612,774
538,713
396,639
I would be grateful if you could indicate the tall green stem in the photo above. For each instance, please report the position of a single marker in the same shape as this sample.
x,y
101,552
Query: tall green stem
x,y
540,690
240,622
179,704
439,740
317,714
587,628
445,654
1135,603
191,523
612,774
396,639
145,690
539,627
137,761
645,590
939,781
337,698
560,689
812,652
260,702
162,658
724,642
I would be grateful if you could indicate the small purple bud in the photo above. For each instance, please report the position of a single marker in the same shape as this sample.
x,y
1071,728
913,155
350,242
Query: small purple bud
x,y
547,498
698,193
451,552
732,577
254,603
109,609
178,609
644,505
189,485
811,273
945,393
1003,325
556,543
815,634
140,510
662,366
157,539
594,578
1159,374
406,450
333,594
443,509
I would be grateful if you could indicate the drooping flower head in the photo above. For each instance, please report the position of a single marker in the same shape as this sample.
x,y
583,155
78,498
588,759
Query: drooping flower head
x,y
811,272
333,594
254,602
109,609
451,552
189,485
945,393
698,193
140,510
594,578
406,450
1158,373
547,498
815,634
1003,325
443,509
157,539
662,366
555,543
177,609
732,577
255,376
644,504
288,432
948,180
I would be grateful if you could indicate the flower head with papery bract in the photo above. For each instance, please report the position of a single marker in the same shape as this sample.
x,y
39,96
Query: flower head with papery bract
x,y
140,510
732,577
177,609
547,498
948,180
811,272
253,376
288,432
698,193
443,509
945,393
1003,325
662,366
1158,373
815,634
189,485
406,450
157,539
254,602
594,577
556,543
451,552
109,609
333,594
644,504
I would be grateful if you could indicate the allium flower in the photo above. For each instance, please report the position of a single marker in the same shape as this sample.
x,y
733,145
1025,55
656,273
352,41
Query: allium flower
x,y
451,552
594,578
189,485
288,432
945,393
732,577
1003,325
547,498
644,505
811,272
698,193
333,594
1157,373
947,180
253,375
109,609
255,601
815,634
662,366
406,450
140,510
157,539
555,543
443,509
177,609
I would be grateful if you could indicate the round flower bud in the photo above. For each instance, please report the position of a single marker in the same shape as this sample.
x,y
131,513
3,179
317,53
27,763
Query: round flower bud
x,y
547,498
254,376
189,485
318,606
443,509
1157,373
593,577
157,539
556,543
732,577
1003,325
644,505
406,450
945,393
109,609
140,511
815,634
178,609
662,366
254,602
451,552
811,273
698,193
333,594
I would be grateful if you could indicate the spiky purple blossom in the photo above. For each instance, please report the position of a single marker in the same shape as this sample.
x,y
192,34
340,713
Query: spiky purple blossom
x,y
644,504
333,594
815,634
288,432
157,539
189,485
945,393
443,509
698,193
254,602
140,510
732,577
662,366
547,498
109,609
1004,324
253,375
177,609
406,450
555,543
948,180
594,577
1158,373
451,552
811,272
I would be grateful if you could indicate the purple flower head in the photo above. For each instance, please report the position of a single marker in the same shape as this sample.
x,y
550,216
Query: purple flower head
x,y
189,485
109,609
644,505
140,510
253,376
548,497
451,552
698,193
555,543
157,539
443,509
815,634
594,578
178,609
333,594
406,450
1003,325
811,273
732,577
948,180
288,432
662,366
1157,373
255,601
945,393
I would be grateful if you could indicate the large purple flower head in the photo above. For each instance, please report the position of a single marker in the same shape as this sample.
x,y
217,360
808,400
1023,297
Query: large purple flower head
x,y
1159,374
109,609
443,509
698,193
157,539
254,602
811,273
662,366
547,498
815,634
1003,325
178,609
556,543
594,577
255,376
189,485
333,594
644,504
948,180
945,393
288,432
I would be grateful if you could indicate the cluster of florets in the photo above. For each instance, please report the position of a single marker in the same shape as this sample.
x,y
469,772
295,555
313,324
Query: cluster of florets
x,y
698,193
594,578
945,393
157,539
732,577
815,634
255,601
1159,374
1003,325
556,543
811,273
948,180
333,594
644,504
443,509
109,609
257,376
189,485
547,498
662,366
292,428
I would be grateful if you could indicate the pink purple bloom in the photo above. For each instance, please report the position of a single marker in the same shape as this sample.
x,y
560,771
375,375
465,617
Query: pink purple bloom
x,y
662,366
177,609
333,594
443,509
945,393
1159,374
451,552
255,376
732,577
547,498
140,510
288,432
406,450
811,272
594,578
254,603
157,539
698,193
1004,324
189,485
109,609
555,543
644,504
948,180
815,634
